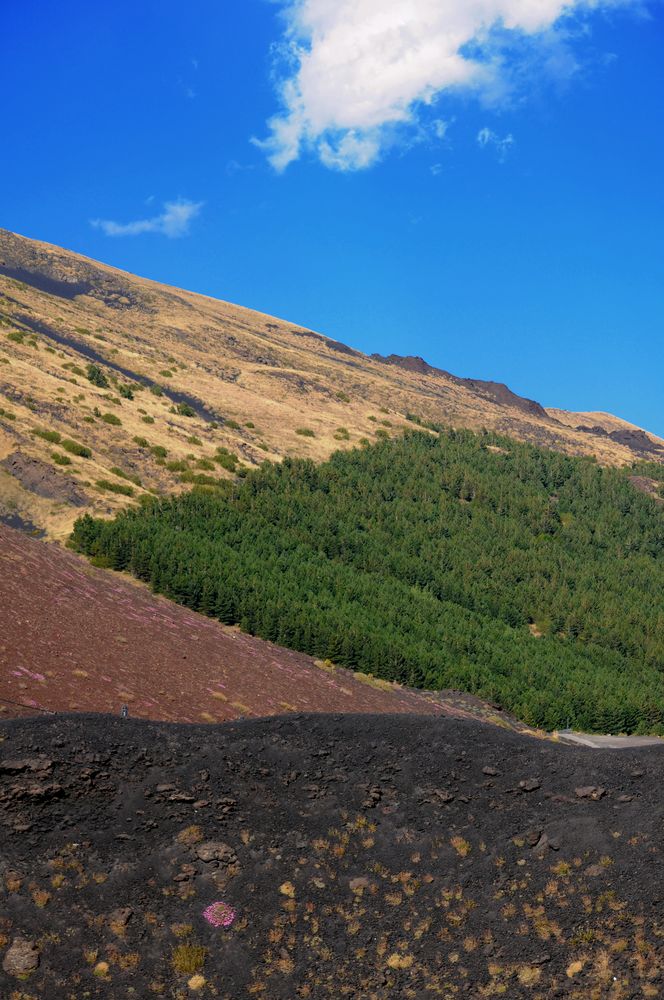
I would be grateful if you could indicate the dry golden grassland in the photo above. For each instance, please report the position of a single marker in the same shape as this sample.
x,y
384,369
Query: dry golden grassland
x,y
277,389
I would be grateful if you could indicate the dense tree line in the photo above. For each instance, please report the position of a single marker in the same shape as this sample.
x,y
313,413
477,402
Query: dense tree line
x,y
454,560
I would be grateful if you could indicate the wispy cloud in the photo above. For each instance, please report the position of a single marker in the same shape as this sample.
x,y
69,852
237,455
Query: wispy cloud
x,y
172,222
356,73
487,137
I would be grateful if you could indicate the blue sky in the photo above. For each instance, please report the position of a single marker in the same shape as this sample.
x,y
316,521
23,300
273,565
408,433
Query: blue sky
x,y
490,196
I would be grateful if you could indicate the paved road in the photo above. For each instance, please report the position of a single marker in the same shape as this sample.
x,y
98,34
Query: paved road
x,y
611,742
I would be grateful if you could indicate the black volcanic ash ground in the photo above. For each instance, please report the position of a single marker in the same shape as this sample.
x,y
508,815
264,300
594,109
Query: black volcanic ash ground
x,y
364,857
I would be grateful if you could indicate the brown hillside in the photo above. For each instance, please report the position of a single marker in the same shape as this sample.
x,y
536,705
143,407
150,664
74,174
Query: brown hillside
x,y
258,387
107,641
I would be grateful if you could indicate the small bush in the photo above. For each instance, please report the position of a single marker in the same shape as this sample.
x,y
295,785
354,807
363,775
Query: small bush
x,y
205,463
233,424
131,476
110,418
147,419
156,390
141,441
250,424
165,373
16,336
60,459
341,434
53,437
106,484
159,451
194,440
177,466
343,397
74,448
188,958
199,479
125,390
226,459
96,376
7,414
305,432
185,410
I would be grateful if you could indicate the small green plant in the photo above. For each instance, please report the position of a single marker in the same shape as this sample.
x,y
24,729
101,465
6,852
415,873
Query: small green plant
x,y
74,448
7,414
188,959
60,459
343,397
233,424
96,375
199,479
194,440
177,466
147,419
226,459
250,424
16,336
156,390
110,418
53,437
341,434
125,390
141,441
165,373
106,484
185,410
131,476
305,432
159,451
205,463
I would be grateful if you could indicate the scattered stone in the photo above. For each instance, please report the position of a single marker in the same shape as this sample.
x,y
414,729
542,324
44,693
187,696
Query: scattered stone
x,y
359,884
120,918
594,792
530,785
490,771
26,764
22,957
215,850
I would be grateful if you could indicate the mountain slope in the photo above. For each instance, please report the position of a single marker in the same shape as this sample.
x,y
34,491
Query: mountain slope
x,y
215,388
460,560
106,641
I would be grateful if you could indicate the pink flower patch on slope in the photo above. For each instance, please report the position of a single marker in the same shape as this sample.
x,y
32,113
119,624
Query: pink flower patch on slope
x,y
219,914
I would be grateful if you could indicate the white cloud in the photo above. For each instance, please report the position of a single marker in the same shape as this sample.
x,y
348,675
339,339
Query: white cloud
x,y
487,137
441,127
173,221
357,72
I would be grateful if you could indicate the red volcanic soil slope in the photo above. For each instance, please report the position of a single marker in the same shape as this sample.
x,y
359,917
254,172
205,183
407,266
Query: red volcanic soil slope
x,y
75,638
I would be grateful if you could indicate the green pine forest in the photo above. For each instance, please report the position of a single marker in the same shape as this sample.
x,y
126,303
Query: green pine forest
x,y
447,560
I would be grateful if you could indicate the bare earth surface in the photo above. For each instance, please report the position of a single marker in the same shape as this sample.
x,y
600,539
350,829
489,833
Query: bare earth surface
x,y
74,638
381,857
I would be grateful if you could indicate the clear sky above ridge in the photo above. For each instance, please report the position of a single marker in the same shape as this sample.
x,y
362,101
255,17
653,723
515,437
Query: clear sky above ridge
x,y
481,184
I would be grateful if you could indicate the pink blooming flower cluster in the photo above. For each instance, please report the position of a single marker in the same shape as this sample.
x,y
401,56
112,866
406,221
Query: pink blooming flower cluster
x,y
219,914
